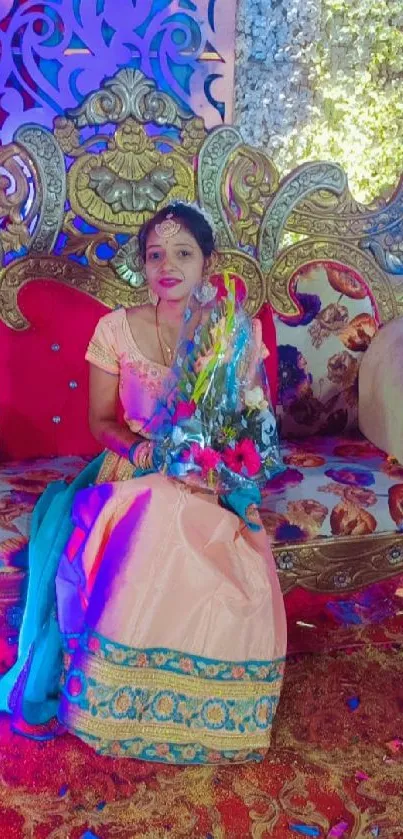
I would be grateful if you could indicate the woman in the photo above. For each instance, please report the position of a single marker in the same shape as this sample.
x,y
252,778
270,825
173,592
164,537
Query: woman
x,y
168,605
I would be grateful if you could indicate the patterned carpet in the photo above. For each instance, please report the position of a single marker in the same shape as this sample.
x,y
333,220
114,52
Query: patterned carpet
x,y
335,770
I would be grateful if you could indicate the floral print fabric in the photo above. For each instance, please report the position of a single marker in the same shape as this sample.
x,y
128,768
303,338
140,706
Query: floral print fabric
x,y
334,487
21,484
321,349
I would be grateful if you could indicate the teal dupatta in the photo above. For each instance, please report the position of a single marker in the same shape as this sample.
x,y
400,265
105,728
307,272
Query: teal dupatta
x,y
31,686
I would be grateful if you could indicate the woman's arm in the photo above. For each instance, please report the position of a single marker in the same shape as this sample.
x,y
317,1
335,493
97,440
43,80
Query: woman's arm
x,y
104,391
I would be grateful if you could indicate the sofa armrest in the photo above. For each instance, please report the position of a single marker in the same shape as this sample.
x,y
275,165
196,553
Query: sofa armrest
x,y
380,382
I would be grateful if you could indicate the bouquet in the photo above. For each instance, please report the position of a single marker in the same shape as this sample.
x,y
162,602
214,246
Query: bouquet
x,y
215,428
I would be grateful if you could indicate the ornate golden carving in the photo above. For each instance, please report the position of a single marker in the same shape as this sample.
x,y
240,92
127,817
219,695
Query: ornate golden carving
x,y
213,158
48,160
119,187
14,188
14,193
127,263
128,94
68,137
101,284
193,135
15,237
346,218
290,261
248,182
81,244
339,564
247,268
122,187
69,140
307,180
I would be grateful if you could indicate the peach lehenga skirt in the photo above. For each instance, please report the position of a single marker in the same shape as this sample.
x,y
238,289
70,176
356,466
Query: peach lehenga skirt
x,y
173,624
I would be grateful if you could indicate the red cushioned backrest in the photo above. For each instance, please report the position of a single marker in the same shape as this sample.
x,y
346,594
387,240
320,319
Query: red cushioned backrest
x,y
269,337
44,377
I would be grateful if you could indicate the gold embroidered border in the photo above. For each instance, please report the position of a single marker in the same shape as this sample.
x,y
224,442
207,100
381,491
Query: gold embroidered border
x,y
114,468
112,729
116,676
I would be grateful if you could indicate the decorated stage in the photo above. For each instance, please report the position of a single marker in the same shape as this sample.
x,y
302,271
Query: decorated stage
x,y
315,80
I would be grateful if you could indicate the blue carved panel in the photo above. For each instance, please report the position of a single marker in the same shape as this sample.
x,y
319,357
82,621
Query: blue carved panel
x,y
52,54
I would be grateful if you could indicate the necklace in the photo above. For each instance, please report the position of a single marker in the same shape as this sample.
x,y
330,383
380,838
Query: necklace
x,y
164,346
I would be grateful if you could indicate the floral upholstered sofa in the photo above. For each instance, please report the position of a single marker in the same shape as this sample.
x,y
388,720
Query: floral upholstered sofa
x,y
71,201
336,513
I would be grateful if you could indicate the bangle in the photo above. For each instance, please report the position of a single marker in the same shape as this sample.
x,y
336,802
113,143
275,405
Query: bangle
x,y
140,455
132,452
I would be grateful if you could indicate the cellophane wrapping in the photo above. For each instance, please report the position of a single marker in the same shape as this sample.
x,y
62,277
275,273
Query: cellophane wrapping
x,y
215,427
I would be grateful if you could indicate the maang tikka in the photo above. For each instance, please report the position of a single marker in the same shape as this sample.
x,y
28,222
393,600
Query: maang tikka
x,y
168,228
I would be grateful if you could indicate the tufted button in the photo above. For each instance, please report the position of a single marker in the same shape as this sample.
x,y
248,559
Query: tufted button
x,y
55,347
56,420
73,384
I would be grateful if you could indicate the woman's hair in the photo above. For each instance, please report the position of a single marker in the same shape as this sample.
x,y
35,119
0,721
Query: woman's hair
x,y
193,219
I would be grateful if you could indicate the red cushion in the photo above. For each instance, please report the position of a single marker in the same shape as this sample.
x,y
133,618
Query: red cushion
x,y
269,337
39,384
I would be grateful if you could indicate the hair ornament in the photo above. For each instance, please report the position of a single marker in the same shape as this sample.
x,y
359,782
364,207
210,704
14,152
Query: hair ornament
x,y
168,228
179,202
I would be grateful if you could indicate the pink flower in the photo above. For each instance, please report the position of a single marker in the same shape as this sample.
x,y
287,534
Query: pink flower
x,y
208,459
244,456
184,410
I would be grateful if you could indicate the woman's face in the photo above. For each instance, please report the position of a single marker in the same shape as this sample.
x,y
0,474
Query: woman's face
x,y
174,263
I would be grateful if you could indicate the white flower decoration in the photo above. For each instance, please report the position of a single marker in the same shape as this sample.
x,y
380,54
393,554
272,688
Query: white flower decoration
x,y
254,399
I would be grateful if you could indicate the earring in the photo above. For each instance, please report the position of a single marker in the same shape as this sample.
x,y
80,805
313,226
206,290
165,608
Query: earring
x,y
153,297
205,293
